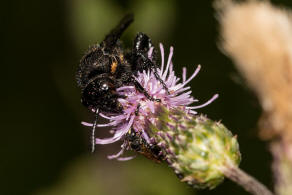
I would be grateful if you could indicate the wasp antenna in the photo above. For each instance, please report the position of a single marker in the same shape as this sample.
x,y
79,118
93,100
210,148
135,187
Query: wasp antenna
x,y
111,39
93,131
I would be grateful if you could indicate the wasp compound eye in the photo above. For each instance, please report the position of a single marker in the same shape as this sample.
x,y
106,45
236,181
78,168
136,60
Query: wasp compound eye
x,y
104,87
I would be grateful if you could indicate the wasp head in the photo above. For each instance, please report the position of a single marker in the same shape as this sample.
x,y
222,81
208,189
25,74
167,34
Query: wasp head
x,y
100,93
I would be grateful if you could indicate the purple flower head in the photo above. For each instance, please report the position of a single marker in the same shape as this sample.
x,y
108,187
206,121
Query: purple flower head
x,y
138,109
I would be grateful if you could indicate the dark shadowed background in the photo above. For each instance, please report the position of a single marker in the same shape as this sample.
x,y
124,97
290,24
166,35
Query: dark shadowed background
x,y
44,150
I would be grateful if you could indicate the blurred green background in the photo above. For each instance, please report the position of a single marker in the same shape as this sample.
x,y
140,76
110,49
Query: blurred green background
x,y
44,149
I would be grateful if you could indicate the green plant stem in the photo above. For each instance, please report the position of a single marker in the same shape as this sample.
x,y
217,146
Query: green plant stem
x,y
246,181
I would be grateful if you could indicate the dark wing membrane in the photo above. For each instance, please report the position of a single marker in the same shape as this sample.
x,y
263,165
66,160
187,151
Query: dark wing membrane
x,y
111,39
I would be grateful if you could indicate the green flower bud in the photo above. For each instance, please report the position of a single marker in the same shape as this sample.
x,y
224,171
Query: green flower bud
x,y
197,148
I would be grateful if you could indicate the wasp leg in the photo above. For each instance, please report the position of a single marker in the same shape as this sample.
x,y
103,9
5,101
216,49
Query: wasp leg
x,y
142,45
149,64
137,110
139,87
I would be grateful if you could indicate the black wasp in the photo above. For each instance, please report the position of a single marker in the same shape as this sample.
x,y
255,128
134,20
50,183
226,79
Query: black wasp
x,y
106,67
137,143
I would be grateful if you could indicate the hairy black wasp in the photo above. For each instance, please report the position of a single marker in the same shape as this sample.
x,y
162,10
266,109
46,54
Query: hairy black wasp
x,y
106,67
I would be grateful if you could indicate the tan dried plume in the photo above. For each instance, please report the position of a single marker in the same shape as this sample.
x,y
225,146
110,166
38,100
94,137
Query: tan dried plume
x,y
258,37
